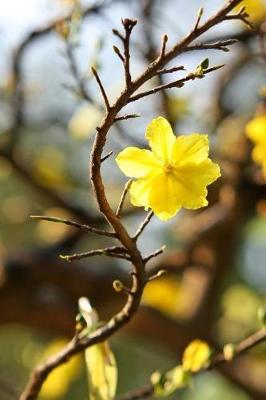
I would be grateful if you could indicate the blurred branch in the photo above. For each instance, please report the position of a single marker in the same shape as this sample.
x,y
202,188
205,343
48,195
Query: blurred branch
x,y
18,96
241,348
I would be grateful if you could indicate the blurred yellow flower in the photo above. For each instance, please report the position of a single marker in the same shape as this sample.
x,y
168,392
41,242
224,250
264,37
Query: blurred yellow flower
x,y
256,131
164,294
58,382
174,174
84,121
255,8
196,356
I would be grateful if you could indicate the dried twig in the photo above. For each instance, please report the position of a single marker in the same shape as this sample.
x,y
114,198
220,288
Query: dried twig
x,y
103,92
127,116
154,254
164,42
242,15
128,26
106,156
114,251
74,224
143,225
123,197
175,84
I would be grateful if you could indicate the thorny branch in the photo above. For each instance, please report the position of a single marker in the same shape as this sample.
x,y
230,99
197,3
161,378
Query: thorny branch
x,y
138,274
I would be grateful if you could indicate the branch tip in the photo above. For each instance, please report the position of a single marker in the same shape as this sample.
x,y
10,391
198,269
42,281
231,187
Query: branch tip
x,y
103,92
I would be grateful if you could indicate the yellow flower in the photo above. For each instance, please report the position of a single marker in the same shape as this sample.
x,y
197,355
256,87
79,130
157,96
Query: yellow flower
x,y
196,356
256,131
255,8
59,381
173,174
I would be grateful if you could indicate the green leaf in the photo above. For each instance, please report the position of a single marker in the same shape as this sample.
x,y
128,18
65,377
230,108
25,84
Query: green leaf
x,y
205,64
166,384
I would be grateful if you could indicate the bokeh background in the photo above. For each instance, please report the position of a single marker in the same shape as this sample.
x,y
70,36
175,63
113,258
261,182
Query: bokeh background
x,y
215,256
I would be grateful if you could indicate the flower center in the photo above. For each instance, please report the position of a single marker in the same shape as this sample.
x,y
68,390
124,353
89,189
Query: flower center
x,y
168,168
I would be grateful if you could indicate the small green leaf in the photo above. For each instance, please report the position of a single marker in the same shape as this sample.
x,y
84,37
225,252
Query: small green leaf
x,y
205,64
166,384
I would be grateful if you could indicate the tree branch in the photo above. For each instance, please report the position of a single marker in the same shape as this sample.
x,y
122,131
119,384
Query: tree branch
x,y
241,348
139,276
74,224
114,251
103,92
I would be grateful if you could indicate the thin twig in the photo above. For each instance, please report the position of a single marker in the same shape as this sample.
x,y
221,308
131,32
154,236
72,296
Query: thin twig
x,y
143,225
75,224
175,84
158,274
123,197
108,251
242,347
106,156
74,70
199,16
170,70
128,26
127,116
219,45
106,101
163,48
242,15
154,254
118,52
118,34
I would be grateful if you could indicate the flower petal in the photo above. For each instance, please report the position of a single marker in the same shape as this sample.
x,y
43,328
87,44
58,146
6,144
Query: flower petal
x,y
193,148
161,138
140,191
136,162
163,199
196,356
191,181
259,153
256,129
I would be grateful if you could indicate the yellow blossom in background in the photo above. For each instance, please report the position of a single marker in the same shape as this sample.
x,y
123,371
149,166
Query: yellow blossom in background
x,y
178,107
83,122
48,167
164,294
256,131
175,173
59,380
255,8
50,233
196,356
